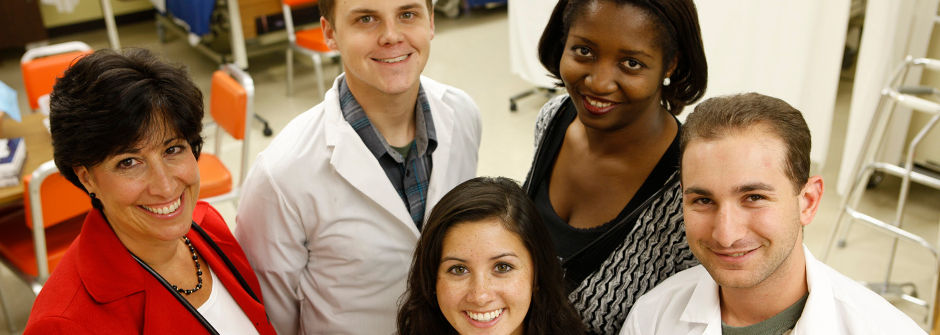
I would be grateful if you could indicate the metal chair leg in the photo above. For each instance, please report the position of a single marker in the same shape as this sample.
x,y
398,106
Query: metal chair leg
x,y
267,128
548,92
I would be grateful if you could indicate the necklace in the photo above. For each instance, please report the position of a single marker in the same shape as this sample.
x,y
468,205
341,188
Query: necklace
x,y
198,270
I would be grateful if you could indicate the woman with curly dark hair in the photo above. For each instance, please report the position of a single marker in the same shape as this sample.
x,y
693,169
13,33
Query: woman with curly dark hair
x,y
482,266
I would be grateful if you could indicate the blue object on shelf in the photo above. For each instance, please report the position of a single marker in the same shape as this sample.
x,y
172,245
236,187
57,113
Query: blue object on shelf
x,y
196,13
480,3
8,103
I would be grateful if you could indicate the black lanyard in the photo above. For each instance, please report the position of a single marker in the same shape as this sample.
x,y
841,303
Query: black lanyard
x,y
192,310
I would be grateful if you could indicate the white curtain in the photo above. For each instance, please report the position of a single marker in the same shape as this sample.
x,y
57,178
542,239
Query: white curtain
x,y
791,50
893,29
527,19
63,6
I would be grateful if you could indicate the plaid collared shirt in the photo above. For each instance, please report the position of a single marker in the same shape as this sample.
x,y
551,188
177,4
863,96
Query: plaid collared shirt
x,y
409,175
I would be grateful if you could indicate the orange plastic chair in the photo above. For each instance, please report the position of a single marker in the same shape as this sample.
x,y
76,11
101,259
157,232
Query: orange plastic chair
x,y
231,104
35,237
309,42
43,65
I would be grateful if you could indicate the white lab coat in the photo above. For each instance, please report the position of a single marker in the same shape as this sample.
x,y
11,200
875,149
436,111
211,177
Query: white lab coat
x,y
327,234
688,303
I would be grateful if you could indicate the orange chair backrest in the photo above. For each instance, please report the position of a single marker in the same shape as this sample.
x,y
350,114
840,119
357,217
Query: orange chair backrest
x,y
40,74
61,200
293,3
228,104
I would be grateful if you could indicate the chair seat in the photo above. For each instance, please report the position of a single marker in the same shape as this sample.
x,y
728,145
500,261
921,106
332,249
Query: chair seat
x,y
214,177
39,75
312,39
16,241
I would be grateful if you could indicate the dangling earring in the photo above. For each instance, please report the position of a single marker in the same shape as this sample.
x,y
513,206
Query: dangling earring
x,y
666,81
95,202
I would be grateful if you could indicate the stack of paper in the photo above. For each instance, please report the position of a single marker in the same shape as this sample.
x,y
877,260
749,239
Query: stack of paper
x,y
12,156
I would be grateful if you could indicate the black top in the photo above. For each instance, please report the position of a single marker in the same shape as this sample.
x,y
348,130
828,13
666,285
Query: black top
x,y
569,240
634,252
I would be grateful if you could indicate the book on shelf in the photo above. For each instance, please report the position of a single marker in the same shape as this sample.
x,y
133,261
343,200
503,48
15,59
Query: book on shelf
x,y
12,157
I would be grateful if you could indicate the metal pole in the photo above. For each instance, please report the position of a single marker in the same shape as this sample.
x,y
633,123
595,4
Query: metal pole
x,y
109,23
238,38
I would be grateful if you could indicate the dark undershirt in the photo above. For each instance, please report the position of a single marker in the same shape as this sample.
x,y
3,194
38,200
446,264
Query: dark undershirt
x,y
778,324
569,240
403,150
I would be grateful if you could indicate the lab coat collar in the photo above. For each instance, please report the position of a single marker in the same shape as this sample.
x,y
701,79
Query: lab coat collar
x,y
443,116
820,308
366,175
704,306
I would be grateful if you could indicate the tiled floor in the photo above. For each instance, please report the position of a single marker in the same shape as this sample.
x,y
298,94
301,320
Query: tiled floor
x,y
471,53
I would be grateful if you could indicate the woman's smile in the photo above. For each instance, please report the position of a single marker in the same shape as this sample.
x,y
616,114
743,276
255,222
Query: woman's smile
x,y
165,209
486,319
598,106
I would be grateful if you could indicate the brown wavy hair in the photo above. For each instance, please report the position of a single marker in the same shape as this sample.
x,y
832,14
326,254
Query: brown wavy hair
x,y
474,200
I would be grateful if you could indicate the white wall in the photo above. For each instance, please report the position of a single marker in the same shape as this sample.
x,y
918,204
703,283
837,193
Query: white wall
x,y
87,10
791,50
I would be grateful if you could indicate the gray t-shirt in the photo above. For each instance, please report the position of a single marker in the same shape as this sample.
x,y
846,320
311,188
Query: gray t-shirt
x,y
779,324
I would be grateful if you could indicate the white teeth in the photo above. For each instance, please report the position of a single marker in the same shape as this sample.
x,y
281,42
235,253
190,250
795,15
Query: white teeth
x,y
485,317
164,210
598,104
393,60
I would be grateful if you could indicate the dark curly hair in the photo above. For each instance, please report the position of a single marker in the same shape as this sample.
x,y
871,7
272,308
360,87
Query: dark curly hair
x,y
474,200
108,102
679,35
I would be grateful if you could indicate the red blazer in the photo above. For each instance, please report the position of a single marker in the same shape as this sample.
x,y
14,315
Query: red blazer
x,y
98,288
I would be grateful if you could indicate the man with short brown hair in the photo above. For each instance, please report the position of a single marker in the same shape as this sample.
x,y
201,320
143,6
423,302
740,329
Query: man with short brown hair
x,y
332,209
747,195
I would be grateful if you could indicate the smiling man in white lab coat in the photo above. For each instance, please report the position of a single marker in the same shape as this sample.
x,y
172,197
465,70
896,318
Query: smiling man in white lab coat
x,y
331,210
747,195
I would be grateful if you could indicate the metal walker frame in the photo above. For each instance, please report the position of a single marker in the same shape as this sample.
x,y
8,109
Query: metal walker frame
x,y
894,95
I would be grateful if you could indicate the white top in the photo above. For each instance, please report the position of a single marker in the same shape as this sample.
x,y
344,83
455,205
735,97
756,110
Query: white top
x,y
223,313
325,231
688,303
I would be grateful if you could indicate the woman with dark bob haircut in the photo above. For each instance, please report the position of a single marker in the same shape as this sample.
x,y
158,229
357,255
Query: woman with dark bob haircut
x,y
481,265
150,257
605,177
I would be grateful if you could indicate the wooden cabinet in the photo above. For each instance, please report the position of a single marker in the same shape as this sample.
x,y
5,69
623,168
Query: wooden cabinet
x,y
253,9
20,23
